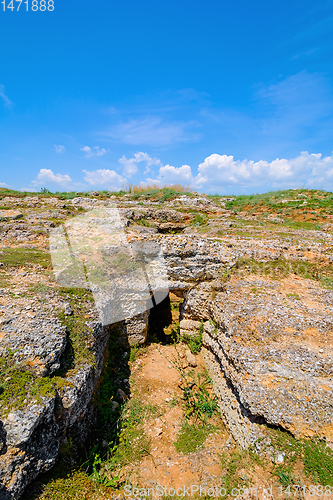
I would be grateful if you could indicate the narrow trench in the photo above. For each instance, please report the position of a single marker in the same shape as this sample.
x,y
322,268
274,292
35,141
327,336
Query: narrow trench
x,y
108,425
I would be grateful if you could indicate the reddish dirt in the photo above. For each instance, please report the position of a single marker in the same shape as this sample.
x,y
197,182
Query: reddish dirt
x,y
156,381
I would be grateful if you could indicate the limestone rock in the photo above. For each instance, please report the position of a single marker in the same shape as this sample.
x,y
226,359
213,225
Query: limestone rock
x,y
30,437
35,336
10,215
32,444
165,227
167,216
265,358
134,331
188,327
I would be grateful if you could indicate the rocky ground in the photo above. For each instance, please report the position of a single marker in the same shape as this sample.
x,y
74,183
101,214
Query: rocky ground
x,y
228,382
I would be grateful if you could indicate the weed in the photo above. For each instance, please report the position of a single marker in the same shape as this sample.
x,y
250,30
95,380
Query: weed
x,y
284,475
172,333
135,351
191,437
195,341
174,401
159,194
72,486
199,401
133,444
256,291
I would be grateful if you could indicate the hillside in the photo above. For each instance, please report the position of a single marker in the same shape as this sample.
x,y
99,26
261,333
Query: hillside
x,y
227,382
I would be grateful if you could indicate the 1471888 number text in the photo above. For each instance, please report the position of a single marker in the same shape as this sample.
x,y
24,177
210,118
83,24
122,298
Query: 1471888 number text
x,y
33,5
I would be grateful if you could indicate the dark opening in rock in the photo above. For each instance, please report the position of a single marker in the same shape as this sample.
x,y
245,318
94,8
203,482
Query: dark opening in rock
x,y
160,317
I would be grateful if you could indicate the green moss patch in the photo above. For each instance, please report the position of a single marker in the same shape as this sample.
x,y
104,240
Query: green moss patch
x,y
20,257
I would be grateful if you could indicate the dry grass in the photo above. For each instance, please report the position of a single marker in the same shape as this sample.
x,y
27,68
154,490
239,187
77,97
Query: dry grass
x,y
155,187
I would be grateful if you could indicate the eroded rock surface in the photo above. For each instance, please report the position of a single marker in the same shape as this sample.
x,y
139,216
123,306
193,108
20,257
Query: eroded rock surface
x,y
267,342
270,356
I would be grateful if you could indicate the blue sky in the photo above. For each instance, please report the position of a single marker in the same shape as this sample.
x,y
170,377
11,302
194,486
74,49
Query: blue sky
x,y
228,97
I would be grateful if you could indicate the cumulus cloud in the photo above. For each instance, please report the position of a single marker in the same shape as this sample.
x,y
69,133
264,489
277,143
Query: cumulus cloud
x,y
46,176
4,185
59,149
153,131
95,151
6,101
173,175
131,164
222,171
104,178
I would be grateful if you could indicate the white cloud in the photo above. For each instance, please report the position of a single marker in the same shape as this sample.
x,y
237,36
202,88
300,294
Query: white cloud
x,y
131,164
153,131
6,101
46,176
28,190
59,149
173,175
4,185
90,151
222,171
104,177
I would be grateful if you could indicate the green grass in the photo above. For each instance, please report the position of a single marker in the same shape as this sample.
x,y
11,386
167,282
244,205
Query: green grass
x,y
194,341
20,257
318,462
199,400
199,220
280,268
191,437
293,296
238,468
159,195
19,384
81,302
136,351
145,223
75,485
39,288
133,443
